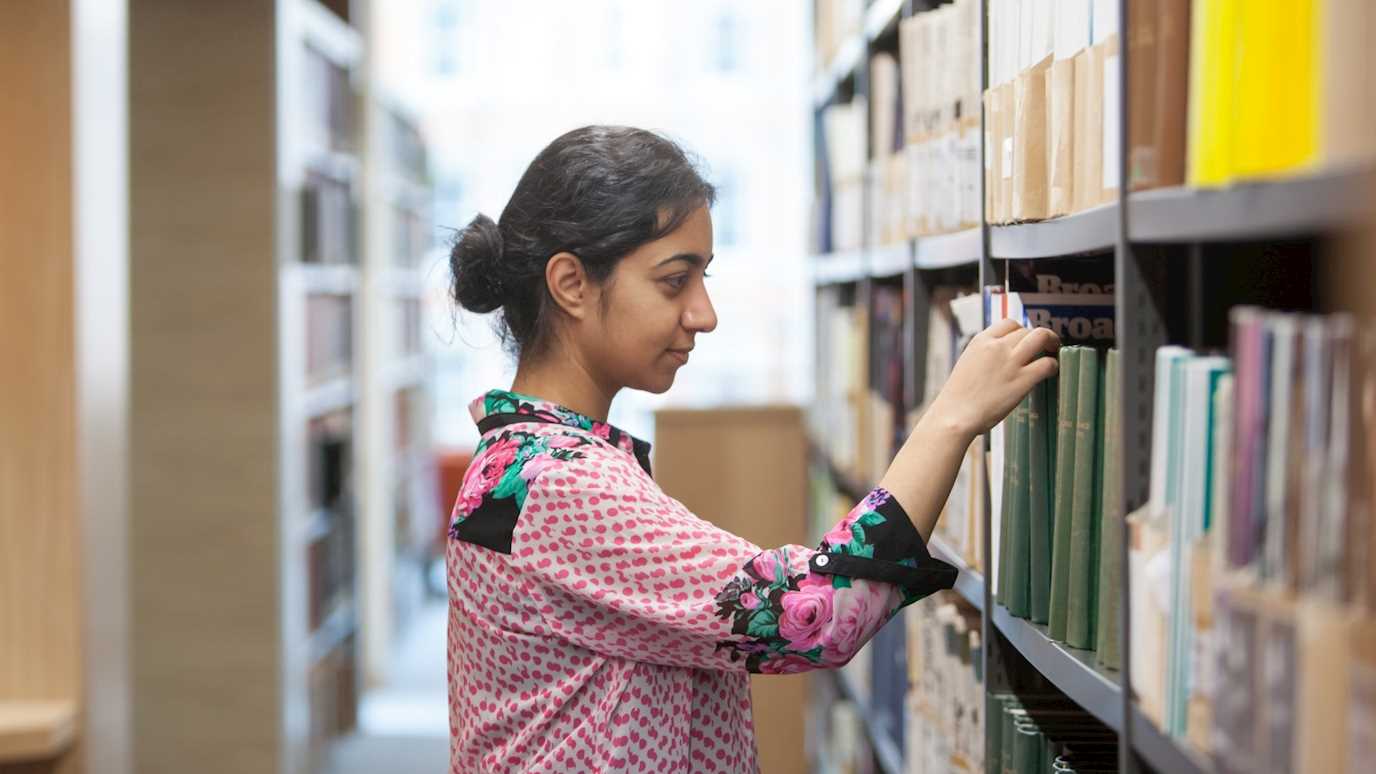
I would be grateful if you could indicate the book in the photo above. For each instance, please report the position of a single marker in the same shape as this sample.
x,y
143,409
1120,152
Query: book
x,y
1108,633
1068,387
1016,564
1041,456
1084,546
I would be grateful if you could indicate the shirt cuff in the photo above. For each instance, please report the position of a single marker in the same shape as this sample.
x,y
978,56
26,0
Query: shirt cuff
x,y
877,541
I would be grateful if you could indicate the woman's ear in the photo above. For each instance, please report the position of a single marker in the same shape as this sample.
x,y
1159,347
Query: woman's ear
x,y
568,284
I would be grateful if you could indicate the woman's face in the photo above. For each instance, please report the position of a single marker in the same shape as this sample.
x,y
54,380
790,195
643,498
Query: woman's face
x,y
656,304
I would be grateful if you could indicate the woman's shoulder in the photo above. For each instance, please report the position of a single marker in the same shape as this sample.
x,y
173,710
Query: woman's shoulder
x,y
515,461
512,460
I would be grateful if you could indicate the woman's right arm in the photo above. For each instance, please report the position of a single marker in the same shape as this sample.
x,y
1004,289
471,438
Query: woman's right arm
x,y
1000,365
606,561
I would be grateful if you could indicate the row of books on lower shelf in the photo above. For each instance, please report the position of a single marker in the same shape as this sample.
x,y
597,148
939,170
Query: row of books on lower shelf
x,y
1047,734
1251,565
954,725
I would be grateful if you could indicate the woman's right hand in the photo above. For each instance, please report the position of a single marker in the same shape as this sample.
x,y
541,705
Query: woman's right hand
x,y
999,366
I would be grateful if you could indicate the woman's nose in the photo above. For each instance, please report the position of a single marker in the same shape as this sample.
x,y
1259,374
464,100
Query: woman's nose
x,y
700,316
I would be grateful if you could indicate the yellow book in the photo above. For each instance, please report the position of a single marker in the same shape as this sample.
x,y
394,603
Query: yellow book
x,y
1213,28
1276,117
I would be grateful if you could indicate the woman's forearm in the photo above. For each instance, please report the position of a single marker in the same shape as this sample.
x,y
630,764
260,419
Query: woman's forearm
x,y
925,468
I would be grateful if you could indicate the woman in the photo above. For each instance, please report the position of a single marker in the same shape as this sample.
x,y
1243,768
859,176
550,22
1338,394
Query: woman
x,y
596,625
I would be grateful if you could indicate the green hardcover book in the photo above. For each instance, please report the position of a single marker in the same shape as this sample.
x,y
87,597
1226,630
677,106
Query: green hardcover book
x,y
1079,629
995,716
1067,388
1015,467
1041,460
1005,533
1108,638
1027,749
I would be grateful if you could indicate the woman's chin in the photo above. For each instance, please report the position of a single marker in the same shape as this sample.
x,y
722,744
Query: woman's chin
x,y
658,382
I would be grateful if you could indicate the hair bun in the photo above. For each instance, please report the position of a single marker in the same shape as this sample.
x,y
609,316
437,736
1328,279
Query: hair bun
x,y
476,263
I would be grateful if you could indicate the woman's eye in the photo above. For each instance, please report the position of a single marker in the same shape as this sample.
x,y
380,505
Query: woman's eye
x,y
677,280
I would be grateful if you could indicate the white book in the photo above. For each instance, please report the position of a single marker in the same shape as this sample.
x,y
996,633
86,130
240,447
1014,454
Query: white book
x,y
1166,357
1200,377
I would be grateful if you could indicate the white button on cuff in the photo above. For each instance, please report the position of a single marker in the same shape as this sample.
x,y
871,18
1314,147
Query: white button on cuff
x,y
822,560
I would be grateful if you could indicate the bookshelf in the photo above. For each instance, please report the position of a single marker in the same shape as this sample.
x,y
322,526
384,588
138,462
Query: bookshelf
x,y
323,315
274,246
396,405
1160,243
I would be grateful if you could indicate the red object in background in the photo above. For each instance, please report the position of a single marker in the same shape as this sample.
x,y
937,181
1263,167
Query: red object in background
x,y
451,464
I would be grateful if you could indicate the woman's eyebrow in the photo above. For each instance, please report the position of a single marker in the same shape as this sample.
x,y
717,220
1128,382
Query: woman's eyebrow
x,y
693,259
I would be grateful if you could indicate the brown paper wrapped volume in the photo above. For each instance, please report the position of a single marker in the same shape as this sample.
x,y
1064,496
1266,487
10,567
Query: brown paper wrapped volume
x,y
1029,143
1088,140
1060,132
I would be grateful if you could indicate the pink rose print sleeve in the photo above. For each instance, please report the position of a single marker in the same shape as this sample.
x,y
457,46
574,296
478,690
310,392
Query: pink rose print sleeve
x,y
614,565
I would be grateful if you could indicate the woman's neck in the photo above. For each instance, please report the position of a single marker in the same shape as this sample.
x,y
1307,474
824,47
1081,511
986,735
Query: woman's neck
x,y
567,383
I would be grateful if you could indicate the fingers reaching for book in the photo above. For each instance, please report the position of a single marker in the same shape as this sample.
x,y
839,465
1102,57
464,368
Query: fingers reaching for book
x,y
1037,342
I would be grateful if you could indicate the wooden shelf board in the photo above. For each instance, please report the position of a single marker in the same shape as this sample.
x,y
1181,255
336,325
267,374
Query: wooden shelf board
x,y
36,730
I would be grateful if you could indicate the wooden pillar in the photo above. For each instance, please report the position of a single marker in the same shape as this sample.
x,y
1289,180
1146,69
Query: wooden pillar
x,y
204,530
40,654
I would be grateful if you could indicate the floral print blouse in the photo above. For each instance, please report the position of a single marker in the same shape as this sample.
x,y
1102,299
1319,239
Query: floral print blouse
x,y
597,625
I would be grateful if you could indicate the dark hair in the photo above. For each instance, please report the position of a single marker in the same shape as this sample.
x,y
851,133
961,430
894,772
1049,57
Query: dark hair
x,y
598,192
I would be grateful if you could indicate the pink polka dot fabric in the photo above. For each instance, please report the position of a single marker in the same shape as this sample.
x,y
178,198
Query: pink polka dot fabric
x,y
596,625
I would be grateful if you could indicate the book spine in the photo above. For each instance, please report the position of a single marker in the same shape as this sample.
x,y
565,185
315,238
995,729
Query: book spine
x,y
1017,600
1108,633
1068,388
1080,596
1041,453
